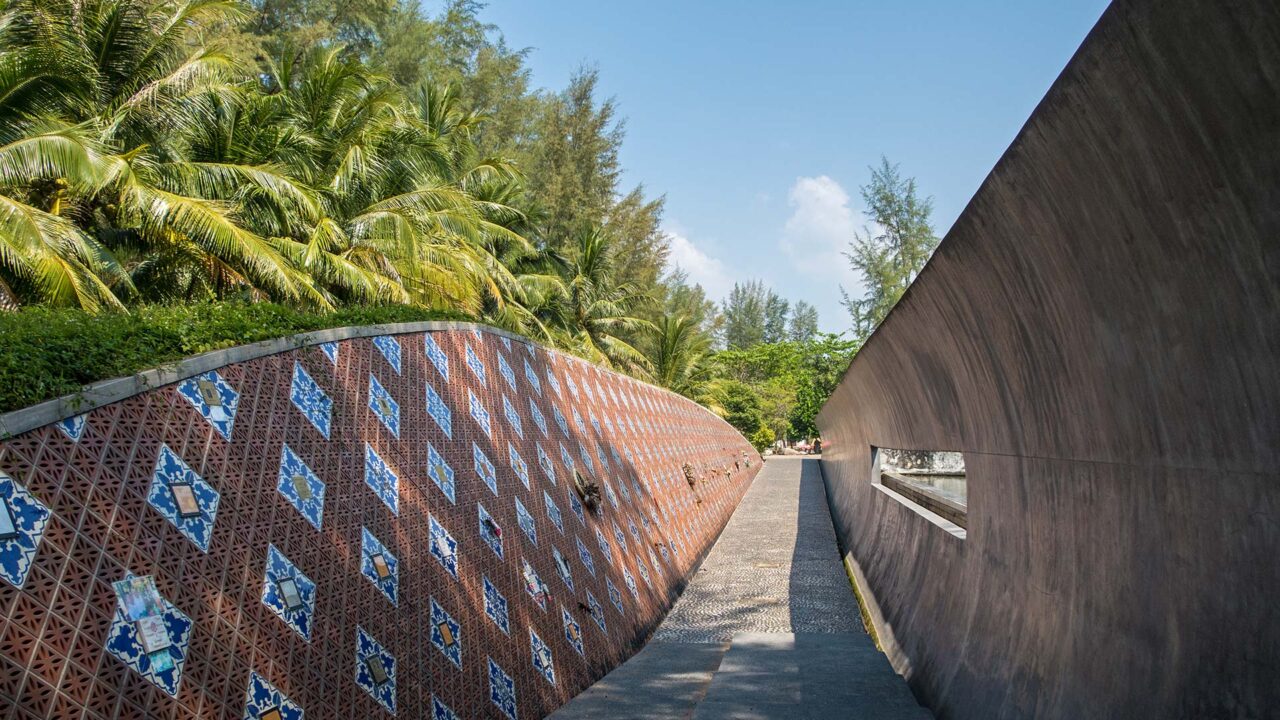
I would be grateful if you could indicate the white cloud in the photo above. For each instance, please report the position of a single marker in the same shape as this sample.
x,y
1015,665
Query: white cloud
x,y
707,271
814,239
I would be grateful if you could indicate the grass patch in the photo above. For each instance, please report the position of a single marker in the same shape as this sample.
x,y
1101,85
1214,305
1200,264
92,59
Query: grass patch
x,y
47,353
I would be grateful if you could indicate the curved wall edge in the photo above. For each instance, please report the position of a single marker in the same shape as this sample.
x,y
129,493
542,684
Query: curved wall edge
x,y
360,522
1099,334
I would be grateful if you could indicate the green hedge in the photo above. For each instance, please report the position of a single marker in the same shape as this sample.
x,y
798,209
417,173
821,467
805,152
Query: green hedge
x,y
47,353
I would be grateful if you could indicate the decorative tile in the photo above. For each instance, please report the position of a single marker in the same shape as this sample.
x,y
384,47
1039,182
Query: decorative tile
x,y
173,483
644,573
300,486
622,539
311,400
439,411
476,365
502,690
478,413
289,594
505,370
572,631
513,417
495,606
151,637
608,492
526,522
631,583
23,519
484,468
446,634
444,547
542,661
597,612
567,459
615,597
577,420
585,556
381,479
213,398
576,506
330,350
604,546
553,511
560,421
532,377
562,568
73,427
518,465
490,530
555,384
376,670
441,473
436,355
538,418
544,462
506,342
533,585
440,711
384,406
390,349
263,697
380,566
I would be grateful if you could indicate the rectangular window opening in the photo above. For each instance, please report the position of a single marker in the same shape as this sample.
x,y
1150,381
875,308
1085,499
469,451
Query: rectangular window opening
x,y
932,479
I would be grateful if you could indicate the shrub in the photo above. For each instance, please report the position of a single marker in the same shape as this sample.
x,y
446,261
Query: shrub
x,y
762,438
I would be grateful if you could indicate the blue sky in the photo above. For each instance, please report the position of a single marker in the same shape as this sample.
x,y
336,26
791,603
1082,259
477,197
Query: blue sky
x,y
758,120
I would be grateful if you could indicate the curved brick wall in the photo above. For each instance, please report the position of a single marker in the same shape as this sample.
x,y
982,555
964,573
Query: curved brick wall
x,y
404,444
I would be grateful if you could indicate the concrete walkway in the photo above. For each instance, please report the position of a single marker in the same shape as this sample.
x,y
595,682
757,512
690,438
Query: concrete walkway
x,y
768,628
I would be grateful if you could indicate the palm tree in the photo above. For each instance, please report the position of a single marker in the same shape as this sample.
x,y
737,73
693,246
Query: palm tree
x,y
679,352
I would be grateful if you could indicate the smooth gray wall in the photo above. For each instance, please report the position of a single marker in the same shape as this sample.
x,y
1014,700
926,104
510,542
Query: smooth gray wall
x,y
1099,334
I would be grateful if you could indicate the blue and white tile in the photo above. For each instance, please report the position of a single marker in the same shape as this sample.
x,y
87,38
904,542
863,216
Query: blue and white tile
x,y
560,421
526,522
502,690
532,376
476,365
444,547
615,597
495,607
505,370
384,406
644,572
479,413
576,506
603,542
490,530
73,427
534,585
381,479
279,569
585,556
262,697
622,539
518,465
366,647
542,659
437,356
631,583
440,711
545,462
162,668
484,468
330,350
586,457
553,511
371,546
572,632
439,411
555,384
567,459
311,400
597,613
577,420
30,518
562,568
220,409
441,473
390,349
170,469
538,418
513,417
440,621
311,508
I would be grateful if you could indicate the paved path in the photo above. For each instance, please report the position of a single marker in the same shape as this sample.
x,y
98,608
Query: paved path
x,y
768,627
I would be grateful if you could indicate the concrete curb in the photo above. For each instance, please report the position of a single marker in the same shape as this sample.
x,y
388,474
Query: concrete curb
x,y
105,392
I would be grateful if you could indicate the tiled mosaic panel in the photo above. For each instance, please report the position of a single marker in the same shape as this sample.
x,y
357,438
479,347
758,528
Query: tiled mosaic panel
x,y
96,475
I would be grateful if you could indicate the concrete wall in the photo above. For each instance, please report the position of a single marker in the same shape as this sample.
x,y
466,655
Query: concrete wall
x,y
1099,333
401,477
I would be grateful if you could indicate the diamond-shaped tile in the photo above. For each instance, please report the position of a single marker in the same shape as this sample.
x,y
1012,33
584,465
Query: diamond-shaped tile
x,y
532,377
542,660
479,413
73,427
330,350
505,370
476,365
439,411
164,629
513,417
484,468
576,506
390,349
544,462
444,547
173,483
495,606
572,631
214,398
562,568
263,697
311,400
604,546
289,594
301,487
518,465
376,670
615,597
502,690
381,479
23,519
555,384
446,634
585,556
440,472
533,584
436,355
440,711
553,512
567,459
631,583
560,421
384,406
597,612
380,566
490,530
526,522
538,418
